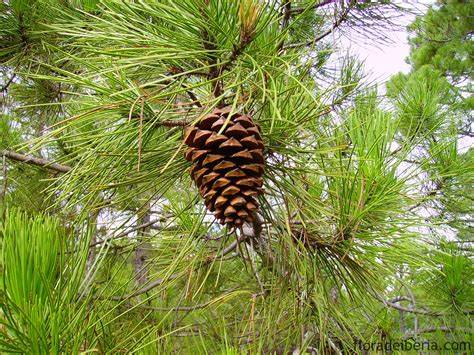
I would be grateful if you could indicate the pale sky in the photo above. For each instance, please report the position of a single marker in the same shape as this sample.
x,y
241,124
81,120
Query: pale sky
x,y
384,60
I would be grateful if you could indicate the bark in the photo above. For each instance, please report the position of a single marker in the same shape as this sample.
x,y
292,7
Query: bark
x,y
91,257
96,232
30,159
141,252
5,180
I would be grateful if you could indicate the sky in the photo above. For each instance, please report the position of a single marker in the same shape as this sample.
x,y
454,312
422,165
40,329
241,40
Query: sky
x,y
384,60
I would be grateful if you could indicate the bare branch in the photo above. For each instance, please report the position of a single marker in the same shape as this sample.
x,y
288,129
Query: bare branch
x,y
8,83
286,14
416,310
5,179
334,26
437,329
299,10
127,232
231,247
174,123
410,310
29,159
428,196
285,21
399,299
184,308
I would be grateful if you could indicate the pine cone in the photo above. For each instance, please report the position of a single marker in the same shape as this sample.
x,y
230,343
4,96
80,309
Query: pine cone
x,y
227,162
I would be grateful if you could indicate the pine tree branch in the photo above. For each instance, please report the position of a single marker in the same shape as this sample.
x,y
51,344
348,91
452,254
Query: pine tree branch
x,y
131,230
29,159
171,124
415,310
236,51
299,10
438,187
334,26
231,247
333,346
437,329
183,308
191,94
466,133
285,22
411,310
180,308
8,83
399,299
286,14
5,179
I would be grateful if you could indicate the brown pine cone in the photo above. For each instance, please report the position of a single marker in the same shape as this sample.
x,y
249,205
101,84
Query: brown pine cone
x,y
227,157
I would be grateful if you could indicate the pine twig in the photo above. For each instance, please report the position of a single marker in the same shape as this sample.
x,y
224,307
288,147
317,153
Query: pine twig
x,y
231,247
171,124
8,83
334,26
285,21
436,329
5,178
399,299
127,232
410,310
182,308
299,10
140,134
415,310
30,159
286,14
430,194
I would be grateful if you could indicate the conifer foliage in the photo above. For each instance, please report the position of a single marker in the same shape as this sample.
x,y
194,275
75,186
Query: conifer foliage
x,y
218,176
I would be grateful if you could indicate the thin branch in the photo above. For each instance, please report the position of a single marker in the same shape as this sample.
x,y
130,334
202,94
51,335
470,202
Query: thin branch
x,y
466,133
286,14
29,159
333,346
335,25
299,10
410,310
236,52
183,308
399,299
179,309
438,187
231,247
285,21
437,329
182,123
140,134
415,310
8,83
192,95
5,179
216,72
127,232
169,123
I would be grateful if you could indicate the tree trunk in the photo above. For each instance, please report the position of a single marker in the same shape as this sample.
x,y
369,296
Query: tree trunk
x,y
141,252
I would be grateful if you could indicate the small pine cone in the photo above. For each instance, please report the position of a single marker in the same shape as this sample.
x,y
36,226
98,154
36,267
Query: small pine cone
x,y
227,157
